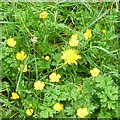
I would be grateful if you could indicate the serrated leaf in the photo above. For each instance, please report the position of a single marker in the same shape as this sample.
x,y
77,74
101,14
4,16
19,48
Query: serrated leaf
x,y
69,110
44,114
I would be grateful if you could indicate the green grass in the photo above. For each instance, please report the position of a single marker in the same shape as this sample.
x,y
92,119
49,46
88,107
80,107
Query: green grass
x,y
21,21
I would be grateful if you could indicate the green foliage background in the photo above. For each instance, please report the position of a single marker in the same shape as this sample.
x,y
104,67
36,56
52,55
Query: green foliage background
x,y
100,95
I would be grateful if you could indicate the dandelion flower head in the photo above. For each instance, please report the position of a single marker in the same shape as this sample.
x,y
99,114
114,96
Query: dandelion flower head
x,y
70,56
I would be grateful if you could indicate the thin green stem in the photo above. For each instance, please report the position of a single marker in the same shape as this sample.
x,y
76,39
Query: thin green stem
x,y
53,71
20,74
36,69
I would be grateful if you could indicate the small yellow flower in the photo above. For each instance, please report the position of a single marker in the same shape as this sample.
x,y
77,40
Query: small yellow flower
x,y
21,55
82,112
39,85
47,58
15,96
29,112
95,72
43,15
54,77
79,89
58,107
73,40
30,105
88,34
104,31
75,37
70,56
24,69
11,42
77,31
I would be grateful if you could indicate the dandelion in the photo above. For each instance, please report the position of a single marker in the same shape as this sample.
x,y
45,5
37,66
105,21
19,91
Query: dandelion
x,y
15,96
58,107
24,69
54,77
29,112
21,55
39,85
95,72
88,34
11,42
43,15
104,31
73,40
70,56
47,58
82,112
34,39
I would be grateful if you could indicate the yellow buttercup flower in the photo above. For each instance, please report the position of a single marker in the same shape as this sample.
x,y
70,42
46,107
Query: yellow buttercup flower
x,y
70,56
95,72
29,112
79,89
104,31
73,40
21,55
54,77
47,58
15,95
58,107
43,15
78,31
75,37
82,112
11,42
24,69
88,34
39,85
30,105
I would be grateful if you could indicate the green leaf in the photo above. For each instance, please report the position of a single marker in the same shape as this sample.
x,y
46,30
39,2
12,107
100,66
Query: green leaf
x,y
100,81
111,104
104,114
107,51
5,85
63,96
44,114
111,92
69,110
